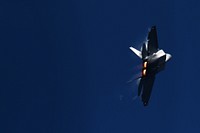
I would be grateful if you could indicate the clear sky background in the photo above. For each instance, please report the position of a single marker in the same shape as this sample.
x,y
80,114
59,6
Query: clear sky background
x,y
65,66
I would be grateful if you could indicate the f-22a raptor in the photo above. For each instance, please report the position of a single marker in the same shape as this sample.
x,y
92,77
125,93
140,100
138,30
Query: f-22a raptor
x,y
154,60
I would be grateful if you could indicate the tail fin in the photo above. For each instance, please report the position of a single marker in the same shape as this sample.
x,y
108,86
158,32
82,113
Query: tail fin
x,y
137,52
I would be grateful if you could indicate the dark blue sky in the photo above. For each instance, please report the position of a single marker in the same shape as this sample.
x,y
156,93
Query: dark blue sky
x,y
65,66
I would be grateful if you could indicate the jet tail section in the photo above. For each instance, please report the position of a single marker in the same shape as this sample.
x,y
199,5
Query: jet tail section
x,y
168,56
137,52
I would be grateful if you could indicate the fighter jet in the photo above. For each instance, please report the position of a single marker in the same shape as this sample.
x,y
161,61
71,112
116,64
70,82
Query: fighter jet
x,y
153,60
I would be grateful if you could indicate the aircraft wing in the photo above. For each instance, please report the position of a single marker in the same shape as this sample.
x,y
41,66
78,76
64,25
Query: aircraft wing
x,y
146,85
152,40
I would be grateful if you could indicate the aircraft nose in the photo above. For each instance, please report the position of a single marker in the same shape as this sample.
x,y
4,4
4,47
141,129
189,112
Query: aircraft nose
x,y
145,103
168,56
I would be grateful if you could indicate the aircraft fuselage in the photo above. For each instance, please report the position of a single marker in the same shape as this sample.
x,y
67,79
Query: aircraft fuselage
x,y
154,63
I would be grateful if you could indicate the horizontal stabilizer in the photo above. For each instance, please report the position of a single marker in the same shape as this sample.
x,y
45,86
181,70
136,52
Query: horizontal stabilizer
x,y
168,56
137,52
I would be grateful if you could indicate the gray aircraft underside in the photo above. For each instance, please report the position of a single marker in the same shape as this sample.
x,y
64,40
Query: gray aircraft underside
x,y
153,60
